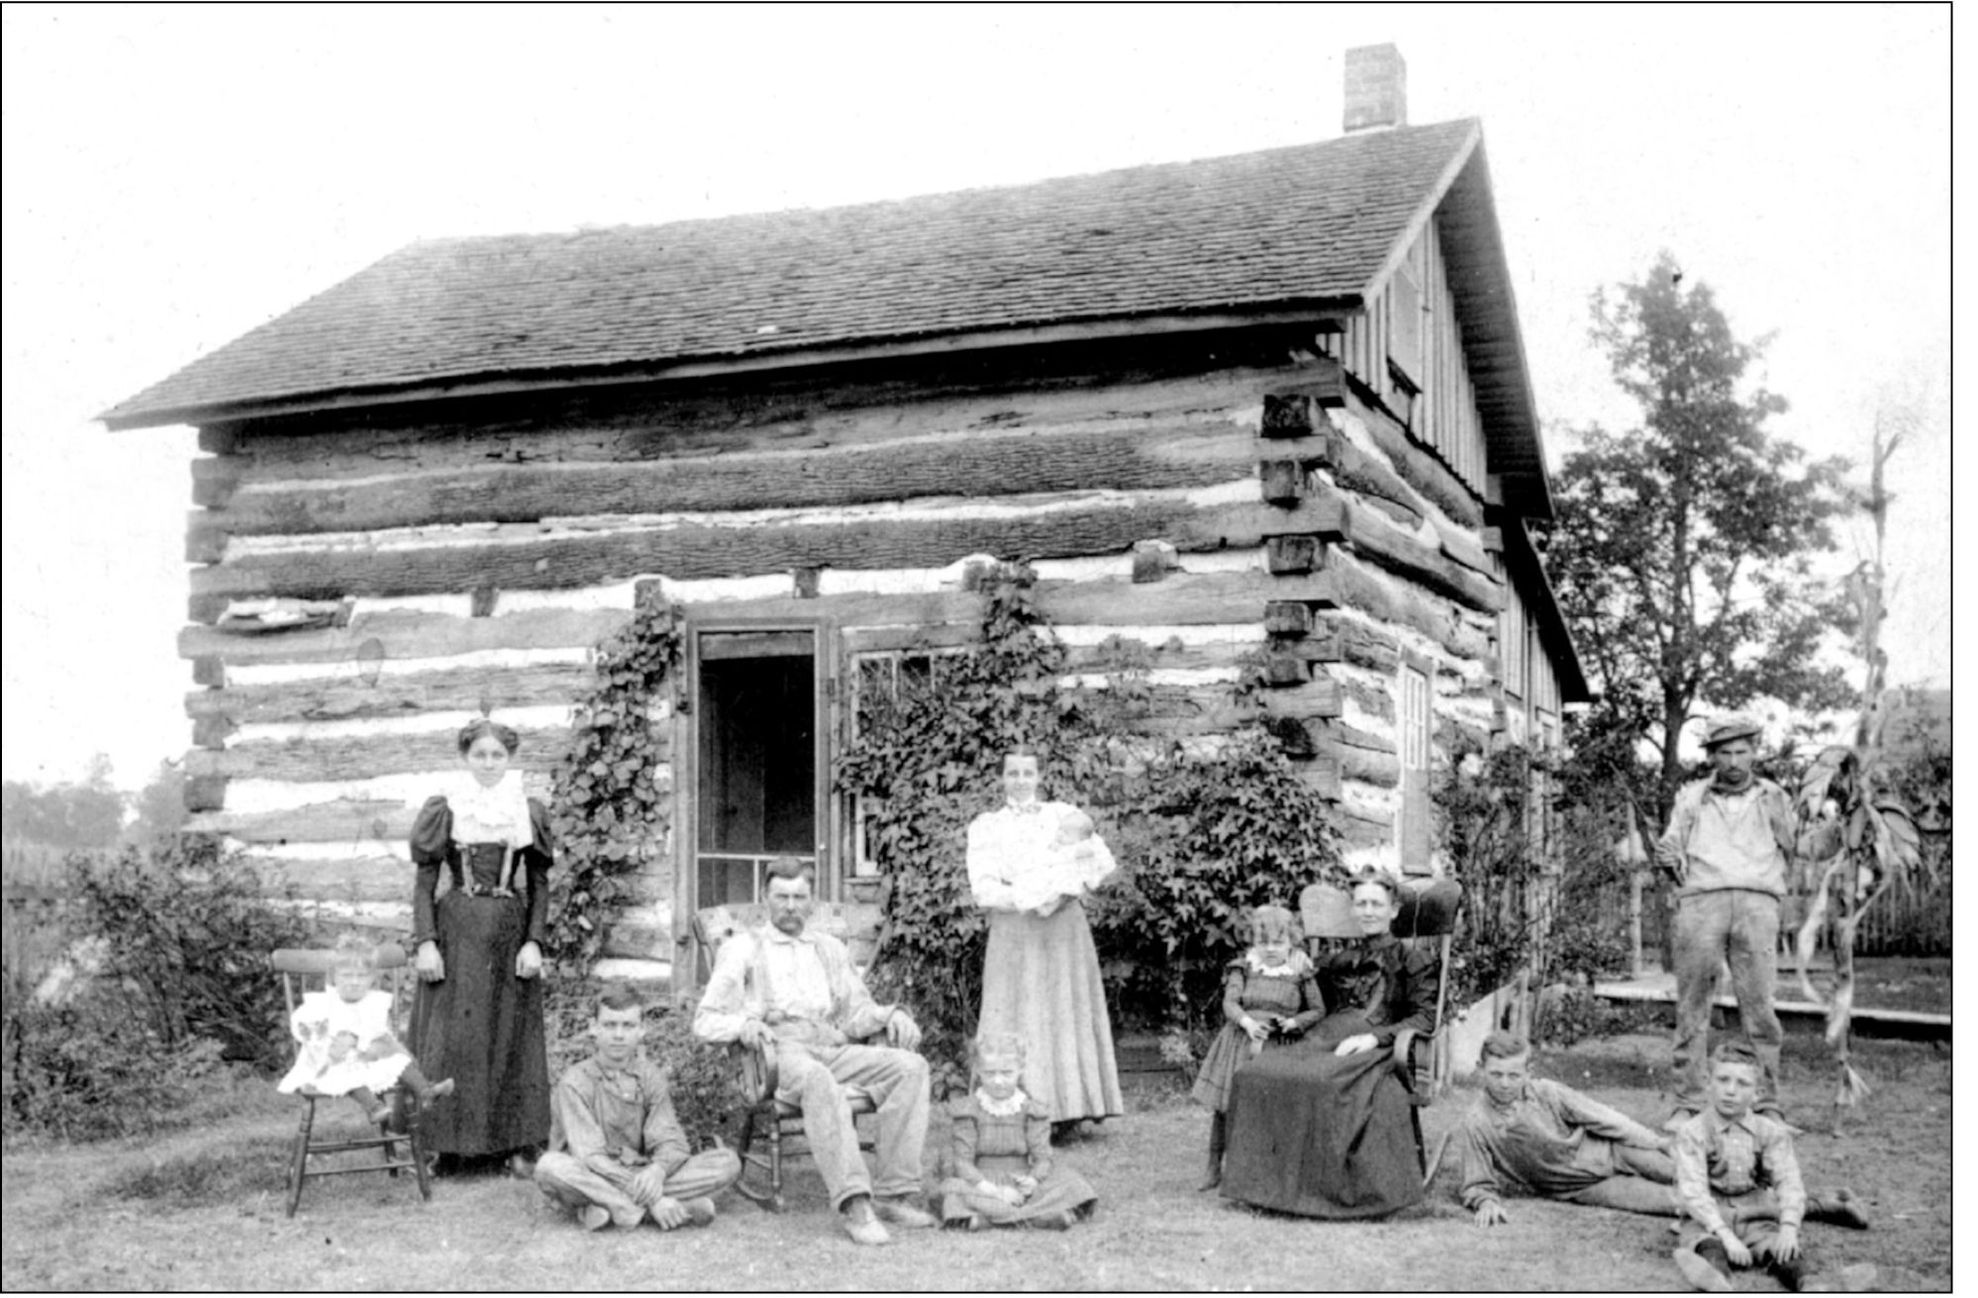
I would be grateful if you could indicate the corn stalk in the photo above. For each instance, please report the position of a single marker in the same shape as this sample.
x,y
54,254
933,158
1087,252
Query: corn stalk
x,y
1866,840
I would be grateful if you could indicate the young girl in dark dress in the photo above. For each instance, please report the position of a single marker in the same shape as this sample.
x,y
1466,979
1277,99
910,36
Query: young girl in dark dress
x,y
1004,1172
478,1014
1269,999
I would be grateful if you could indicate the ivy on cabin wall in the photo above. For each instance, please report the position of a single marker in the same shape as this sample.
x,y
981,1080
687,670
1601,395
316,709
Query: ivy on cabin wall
x,y
607,811
1201,833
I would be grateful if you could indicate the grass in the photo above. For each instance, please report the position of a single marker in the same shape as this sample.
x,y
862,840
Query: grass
x,y
1880,982
203,1209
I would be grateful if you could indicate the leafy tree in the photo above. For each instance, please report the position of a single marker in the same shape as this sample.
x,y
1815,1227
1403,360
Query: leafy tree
x,y
1684,548
81,816
159,806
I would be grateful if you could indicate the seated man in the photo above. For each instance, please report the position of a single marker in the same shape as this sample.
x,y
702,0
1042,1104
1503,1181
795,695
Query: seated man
x,y
616,1152
1545,1139
796,993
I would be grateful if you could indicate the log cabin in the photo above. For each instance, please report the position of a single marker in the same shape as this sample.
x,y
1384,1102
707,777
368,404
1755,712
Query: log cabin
x,y
1271,408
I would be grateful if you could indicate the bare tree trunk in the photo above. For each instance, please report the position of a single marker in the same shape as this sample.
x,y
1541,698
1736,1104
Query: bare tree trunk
x,y
1674,716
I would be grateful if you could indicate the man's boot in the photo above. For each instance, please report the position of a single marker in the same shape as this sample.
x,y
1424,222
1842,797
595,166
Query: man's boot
x,y
860,1224
1836,1208
1705,1266
1218,1139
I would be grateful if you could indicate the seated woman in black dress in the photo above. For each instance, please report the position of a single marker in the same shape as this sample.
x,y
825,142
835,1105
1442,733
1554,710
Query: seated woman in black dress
x,y
1325,1128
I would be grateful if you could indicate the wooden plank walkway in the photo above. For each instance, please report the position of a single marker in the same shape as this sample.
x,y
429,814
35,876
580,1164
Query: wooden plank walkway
x,y
1658,987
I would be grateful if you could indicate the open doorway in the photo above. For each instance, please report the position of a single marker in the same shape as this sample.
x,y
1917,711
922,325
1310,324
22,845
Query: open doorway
x,y
756,782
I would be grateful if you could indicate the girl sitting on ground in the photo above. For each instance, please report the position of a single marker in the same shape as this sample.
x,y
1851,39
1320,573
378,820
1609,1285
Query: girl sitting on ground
x,y
347,1046
1004,1174
1270,997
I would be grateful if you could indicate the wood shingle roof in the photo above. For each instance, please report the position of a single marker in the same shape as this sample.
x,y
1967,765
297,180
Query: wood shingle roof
x,y
1306,226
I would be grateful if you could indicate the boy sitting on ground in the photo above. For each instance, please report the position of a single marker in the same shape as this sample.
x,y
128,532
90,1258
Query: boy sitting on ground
x,y
1738,1178
616,1152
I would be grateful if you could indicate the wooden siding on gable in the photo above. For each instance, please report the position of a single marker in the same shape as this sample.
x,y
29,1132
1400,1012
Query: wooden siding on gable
x,y
1443,417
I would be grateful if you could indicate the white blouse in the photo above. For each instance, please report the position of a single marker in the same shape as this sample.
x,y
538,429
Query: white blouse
x,y
491,815
1015,862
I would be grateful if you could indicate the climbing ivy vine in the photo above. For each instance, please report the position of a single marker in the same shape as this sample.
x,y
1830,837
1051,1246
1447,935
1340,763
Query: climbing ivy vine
x,y
607,809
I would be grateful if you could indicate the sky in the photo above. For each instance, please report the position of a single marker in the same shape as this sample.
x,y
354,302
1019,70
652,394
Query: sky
x,y
175,177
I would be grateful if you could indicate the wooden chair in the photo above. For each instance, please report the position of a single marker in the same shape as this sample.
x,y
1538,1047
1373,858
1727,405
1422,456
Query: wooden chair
x,y
309,970
780,1125
1428,914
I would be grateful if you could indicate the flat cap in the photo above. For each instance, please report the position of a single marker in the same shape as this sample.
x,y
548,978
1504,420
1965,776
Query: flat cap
x,y
1724,729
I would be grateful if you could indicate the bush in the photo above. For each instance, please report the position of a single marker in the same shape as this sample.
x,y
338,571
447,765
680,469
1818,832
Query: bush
x,y
1554,901
1202,840
1587,940
90,1069
1484,805
172,978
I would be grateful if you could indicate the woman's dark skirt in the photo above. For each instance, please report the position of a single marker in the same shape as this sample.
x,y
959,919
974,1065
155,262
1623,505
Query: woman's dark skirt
x,y
1322,1135
483,1027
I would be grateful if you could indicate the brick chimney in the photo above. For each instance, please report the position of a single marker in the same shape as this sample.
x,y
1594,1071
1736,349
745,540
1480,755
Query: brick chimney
x,y
1376,88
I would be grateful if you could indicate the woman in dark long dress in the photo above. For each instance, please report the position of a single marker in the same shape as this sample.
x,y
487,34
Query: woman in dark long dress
x,y
1325,1128
478,1014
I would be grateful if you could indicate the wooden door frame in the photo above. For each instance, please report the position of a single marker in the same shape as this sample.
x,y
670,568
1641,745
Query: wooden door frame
x,y
686,763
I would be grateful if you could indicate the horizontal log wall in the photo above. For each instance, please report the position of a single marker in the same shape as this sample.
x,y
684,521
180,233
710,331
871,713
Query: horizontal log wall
x,y
421,561
1410,578
475,561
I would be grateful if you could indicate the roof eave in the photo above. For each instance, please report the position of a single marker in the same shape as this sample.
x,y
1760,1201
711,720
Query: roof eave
x,y
1573,687
1314,311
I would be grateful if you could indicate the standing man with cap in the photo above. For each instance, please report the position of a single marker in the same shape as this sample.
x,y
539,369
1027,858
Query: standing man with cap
x,y
1728,845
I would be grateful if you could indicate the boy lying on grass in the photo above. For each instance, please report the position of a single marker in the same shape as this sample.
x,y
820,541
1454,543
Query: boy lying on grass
x,y
1545,1139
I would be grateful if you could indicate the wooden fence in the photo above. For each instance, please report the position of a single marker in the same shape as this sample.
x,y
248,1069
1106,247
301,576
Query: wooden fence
x,y
1915,925
1918,926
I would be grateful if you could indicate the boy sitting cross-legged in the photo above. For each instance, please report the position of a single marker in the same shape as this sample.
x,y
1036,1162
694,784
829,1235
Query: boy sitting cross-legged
x,y
616,1152
1738,1179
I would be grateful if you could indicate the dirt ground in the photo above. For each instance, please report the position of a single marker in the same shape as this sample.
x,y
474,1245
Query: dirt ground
x,y
204,1210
